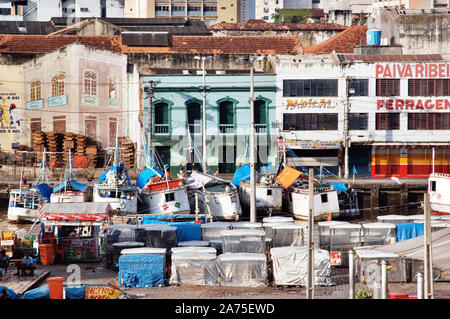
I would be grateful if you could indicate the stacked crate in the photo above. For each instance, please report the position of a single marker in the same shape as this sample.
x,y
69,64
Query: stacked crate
x,y
80,145
38,143
68,145
91,153
55,143
128,153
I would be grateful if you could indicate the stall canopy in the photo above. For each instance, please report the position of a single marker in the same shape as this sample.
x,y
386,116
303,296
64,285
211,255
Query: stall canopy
x,y
86,211
146,174
73,184
414,248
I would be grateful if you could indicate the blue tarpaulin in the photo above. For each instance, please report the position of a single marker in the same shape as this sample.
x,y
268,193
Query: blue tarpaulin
x,y
72,292
242,174
339,186
74,184
186,231
10,292
42,292
145,175
45,190
409,230
141,270
118,169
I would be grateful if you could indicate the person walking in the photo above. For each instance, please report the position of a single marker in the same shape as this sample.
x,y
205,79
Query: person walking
x,y
4,263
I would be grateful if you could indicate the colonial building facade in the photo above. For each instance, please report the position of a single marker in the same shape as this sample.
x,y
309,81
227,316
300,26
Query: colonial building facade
x,y
176,113
392,113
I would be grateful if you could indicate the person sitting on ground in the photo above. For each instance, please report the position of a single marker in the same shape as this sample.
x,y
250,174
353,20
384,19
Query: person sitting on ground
x,y
5,295
26,264
4,263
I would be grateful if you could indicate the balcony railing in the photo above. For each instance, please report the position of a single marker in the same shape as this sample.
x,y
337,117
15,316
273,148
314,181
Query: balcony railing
x,y
161,128
226,128
261,128
195,128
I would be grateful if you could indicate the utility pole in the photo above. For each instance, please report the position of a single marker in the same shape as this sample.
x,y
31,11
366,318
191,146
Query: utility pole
x,y
310,272
346,138
427,261
252,143
150,95
204,135
203,88
252,147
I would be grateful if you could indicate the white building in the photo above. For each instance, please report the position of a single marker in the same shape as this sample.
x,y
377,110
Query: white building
x,y
44,10
11,10
266,9
114,8
391,112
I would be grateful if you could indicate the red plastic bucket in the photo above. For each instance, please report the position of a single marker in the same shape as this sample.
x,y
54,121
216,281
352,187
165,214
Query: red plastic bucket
x,y
55,286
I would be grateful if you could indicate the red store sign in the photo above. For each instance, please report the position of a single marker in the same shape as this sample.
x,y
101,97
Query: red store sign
x,y
409,104
416,70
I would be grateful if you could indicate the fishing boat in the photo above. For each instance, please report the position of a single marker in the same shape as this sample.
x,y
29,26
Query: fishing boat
x,y
159,193
268,192
296,187
70,191
212,196
24,203
114,187
438,190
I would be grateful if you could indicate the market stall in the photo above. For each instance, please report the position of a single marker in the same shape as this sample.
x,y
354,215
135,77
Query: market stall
x,y
72,231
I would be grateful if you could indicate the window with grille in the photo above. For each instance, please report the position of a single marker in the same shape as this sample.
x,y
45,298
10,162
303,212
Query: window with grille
x,y
387,121
357,121
90,83
310,122
358,87
58,84
310,88
428,121
35,92
428,87
388,87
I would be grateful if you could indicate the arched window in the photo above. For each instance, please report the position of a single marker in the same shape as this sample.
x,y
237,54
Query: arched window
x,y
112,87
161,118
226,117
260,112
90,83
35,92
58,86
194,117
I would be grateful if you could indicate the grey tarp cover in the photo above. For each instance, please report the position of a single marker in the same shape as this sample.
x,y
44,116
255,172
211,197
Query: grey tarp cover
x,y
414,248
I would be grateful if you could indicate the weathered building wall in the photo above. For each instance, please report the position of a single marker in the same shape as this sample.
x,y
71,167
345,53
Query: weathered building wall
x,y
12,130
307,38
418,34
83,113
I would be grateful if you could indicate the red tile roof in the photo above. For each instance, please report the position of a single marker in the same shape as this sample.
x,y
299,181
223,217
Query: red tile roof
x,y
224,45
351,58
261,25
177,44
344,42
45,43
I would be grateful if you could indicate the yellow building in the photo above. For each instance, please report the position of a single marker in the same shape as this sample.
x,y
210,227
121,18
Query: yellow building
x,y
12,130
209,11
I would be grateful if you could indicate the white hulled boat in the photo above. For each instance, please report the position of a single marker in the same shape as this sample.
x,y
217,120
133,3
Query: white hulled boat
x,y
297,196
216,198
268,192
114,187
438,190
159,193
24,203
70,191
